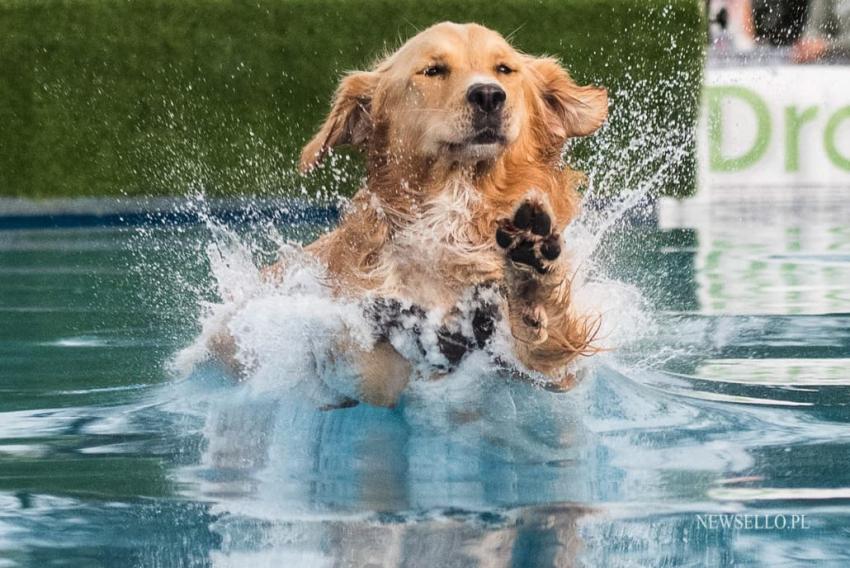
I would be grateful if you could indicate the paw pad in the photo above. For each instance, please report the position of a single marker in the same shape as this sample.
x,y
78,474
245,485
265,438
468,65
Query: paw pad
x,y
528,238
530,216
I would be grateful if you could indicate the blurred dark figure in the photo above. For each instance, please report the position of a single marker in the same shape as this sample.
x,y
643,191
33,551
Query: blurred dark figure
x,y
779,22
827,32
730,24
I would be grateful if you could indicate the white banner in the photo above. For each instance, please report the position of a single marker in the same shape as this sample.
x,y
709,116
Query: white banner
x,y
777,127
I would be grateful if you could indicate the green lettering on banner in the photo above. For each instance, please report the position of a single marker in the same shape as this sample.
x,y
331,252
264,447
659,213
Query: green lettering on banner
x,y
714,99
794,121
835,156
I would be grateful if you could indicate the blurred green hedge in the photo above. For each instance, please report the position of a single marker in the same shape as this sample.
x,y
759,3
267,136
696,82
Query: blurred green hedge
x,y
152,97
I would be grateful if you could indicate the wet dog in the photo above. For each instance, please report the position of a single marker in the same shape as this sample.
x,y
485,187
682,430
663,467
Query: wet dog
x,y
465,200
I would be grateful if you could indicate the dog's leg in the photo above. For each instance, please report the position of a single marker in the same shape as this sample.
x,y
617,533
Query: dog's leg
x,y
548,335
222,347
383,374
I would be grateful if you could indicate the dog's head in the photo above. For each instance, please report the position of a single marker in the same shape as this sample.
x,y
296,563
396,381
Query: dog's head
x,y
458,94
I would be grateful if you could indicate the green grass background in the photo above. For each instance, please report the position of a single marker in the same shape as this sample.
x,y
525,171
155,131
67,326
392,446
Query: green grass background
x,y
155,97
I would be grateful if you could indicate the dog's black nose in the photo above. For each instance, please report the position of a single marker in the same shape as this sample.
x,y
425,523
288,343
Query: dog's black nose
x,y
486,98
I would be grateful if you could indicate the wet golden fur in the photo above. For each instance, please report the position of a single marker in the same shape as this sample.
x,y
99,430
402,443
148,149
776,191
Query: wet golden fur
x,y
422,227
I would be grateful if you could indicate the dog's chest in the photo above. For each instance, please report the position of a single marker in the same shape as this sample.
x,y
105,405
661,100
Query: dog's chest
x,y
439,252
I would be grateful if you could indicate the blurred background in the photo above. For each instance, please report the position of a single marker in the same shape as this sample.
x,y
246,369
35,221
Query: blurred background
x,y
159,98
776,105
154,97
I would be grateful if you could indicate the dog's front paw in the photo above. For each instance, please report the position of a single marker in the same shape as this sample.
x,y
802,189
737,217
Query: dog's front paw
x,y
532,247
528,238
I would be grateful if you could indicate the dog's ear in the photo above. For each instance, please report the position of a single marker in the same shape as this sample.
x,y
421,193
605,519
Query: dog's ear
x,y
348,122
569,110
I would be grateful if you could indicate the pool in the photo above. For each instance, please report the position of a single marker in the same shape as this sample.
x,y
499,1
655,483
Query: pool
x,y
719,434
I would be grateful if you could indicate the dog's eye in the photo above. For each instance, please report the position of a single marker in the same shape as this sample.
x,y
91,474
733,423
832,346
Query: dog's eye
x,y
436,71
504,69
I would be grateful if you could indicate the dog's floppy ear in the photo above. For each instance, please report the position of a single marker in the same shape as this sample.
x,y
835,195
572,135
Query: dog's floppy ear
x,y
569,110
348,122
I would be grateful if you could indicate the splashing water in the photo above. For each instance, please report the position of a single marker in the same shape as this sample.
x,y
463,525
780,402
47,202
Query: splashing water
x,y
617,191
292,328
290,333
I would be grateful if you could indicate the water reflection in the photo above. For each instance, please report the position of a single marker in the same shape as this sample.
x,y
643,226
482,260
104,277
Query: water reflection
x,y
769,255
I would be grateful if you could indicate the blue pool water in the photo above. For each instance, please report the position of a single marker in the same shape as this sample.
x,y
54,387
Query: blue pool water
x,y
720,414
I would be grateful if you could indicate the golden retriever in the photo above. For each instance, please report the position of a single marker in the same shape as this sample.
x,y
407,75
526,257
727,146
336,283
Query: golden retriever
x,y
465,187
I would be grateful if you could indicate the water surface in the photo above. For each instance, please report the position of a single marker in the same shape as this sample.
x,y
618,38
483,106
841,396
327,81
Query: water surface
x,y
732,400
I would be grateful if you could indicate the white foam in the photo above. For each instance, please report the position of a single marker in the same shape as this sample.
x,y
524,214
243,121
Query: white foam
x,y
287,333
